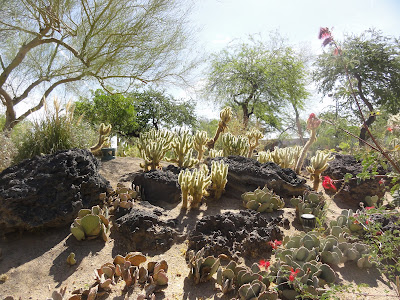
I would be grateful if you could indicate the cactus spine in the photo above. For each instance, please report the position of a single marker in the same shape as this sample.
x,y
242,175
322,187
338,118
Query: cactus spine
x,y
312,124
225,116
319,163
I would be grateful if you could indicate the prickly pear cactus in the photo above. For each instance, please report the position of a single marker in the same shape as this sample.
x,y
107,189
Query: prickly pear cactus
x,y
202,269
310,203
262,200
91,223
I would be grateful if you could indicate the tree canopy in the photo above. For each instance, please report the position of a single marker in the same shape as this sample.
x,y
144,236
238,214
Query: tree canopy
x,y
136,112
373,64
258,78
47,44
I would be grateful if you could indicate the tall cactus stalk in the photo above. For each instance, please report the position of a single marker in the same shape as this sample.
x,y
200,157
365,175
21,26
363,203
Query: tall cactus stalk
x,y
225,115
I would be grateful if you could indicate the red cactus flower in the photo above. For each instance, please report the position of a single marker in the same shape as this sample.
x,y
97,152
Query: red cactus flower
x,y
313,122
369,207
390,129
367,222
382,181
324,33
293,274
264,263
379,233
275,244
327,183
291,277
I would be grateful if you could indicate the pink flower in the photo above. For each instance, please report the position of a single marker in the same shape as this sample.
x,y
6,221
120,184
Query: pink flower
x,y
390,129
381,181
327,183
313,122
325,35
369,207
264,263
367,222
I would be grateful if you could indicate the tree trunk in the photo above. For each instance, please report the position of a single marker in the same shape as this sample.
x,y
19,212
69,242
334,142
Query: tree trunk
x,y
246,115
299,129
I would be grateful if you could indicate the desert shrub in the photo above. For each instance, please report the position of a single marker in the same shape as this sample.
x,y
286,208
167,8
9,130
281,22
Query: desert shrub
x,y
58,130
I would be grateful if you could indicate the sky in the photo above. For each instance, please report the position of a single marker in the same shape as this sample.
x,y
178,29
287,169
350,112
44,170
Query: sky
x,y
222,21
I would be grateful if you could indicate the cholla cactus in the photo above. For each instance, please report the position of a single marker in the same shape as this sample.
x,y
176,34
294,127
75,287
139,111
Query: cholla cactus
x,y
253,136
319,163
219,173
284,157
104,132
152,147
264,156
182,144
225,116
200,142
312,124
212,153
195,184
234,145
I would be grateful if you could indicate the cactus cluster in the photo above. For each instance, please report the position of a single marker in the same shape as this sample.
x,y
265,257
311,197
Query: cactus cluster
x,y
233,145
182,147
152,147
262,200
347,220
129,270
104,132
91,223
251,283
319,163
199,143
212,153
310,203
202,269
253,136
284,157
194,183
219,174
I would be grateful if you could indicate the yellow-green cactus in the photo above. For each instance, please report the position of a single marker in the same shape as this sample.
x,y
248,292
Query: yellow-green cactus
x,y
182,146
200,142
104,132
194,183
319,163
152,147
264,156
184,180
225,116
219,174
212,153
234,145
253,136
91,223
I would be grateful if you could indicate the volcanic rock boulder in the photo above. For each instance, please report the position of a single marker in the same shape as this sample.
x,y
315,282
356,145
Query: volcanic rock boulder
x,y
49,190
242,234
142,230
355,190
159,185
247,174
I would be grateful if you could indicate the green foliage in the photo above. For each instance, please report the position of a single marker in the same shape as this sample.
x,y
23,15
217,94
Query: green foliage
x,y
57,131
258,78
371,61
114,109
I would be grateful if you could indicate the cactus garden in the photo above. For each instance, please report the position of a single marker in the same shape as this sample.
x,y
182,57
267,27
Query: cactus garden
x,y
128,192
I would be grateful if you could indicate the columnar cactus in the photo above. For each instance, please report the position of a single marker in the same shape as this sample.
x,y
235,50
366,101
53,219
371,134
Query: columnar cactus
x,y
91,223
195,184
219,174
234,145
182,146
284,157
200,142
152,147
319,163
264,156
104,132
312,124
212,153
202,269
262,200
225,117
253,136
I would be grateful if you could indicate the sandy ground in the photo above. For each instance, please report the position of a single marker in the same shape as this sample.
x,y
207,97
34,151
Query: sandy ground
x,y
33,265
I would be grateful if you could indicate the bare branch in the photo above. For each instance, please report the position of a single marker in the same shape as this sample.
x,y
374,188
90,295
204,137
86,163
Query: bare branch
x,y
29,89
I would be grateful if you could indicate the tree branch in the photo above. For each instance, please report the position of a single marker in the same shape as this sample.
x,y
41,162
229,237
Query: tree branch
x,y
29,89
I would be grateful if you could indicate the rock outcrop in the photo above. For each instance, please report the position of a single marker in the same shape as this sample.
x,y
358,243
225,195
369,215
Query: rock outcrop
x,y
49,190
